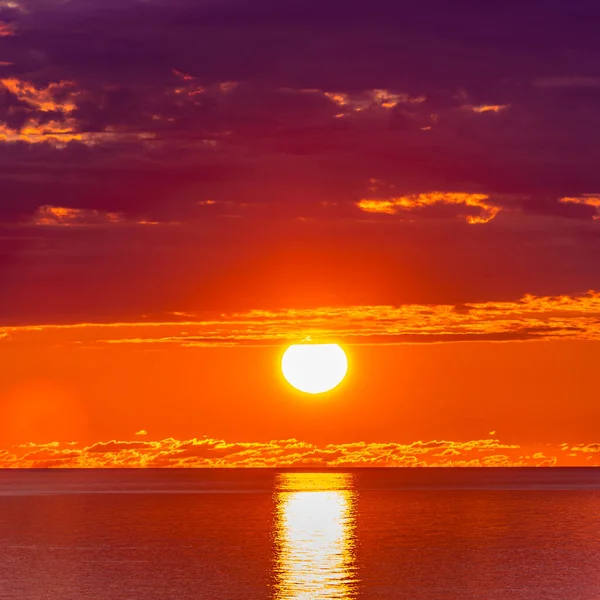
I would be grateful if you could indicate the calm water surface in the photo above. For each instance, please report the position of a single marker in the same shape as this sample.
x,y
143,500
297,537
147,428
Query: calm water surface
x,y
453,534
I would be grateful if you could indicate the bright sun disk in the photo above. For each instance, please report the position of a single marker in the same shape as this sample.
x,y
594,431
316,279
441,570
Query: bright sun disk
x,y
314,368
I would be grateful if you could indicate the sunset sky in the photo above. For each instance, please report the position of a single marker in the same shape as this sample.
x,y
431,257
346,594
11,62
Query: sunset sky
x,y
189,186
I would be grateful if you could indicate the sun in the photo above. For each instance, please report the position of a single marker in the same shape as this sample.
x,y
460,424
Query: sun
x,y
314,368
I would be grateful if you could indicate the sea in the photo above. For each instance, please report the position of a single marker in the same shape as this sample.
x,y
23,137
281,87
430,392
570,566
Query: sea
x,y
411,534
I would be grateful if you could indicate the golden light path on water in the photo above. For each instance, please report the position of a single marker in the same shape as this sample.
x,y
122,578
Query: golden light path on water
x,y
315,536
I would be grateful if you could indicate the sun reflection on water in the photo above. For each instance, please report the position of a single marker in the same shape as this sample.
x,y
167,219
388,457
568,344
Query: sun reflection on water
x,y
314,536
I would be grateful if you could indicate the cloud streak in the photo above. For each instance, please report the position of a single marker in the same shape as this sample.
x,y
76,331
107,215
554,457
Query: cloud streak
x,y
531,318
217,453
592,200
60,216
397,205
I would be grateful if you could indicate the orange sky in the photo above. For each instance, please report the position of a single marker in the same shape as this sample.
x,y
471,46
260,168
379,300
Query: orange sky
x,y
203,384
210,181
